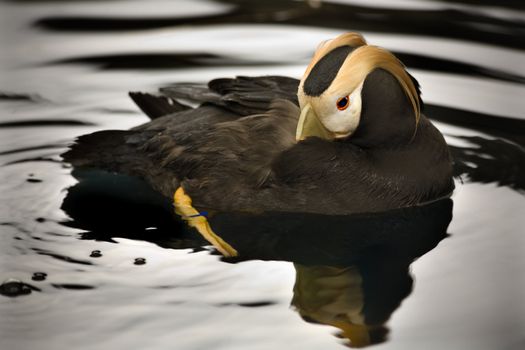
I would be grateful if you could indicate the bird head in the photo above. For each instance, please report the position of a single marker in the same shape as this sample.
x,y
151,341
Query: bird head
x,y
357,92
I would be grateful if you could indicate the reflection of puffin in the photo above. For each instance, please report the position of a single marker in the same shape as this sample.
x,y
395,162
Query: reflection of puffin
x,y
341,297
351,140
335,297
359,298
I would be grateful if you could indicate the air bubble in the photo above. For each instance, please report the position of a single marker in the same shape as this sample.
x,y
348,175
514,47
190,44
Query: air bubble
x,y
140,261
14,288
95,254
39,276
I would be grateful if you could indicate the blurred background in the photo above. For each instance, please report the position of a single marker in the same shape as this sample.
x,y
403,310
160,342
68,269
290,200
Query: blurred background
x,y
65,70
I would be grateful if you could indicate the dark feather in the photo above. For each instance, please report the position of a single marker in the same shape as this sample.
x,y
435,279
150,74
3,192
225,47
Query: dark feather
x,y
110,150
156,106
241,95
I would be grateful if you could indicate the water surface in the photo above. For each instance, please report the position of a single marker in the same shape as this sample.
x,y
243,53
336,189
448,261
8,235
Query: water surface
x,y
85,270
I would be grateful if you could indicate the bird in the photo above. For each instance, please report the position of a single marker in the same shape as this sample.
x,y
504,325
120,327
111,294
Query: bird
x,y
349,137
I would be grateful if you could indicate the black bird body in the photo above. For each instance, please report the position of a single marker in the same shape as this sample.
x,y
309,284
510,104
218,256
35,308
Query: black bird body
x,y
348,138
237,151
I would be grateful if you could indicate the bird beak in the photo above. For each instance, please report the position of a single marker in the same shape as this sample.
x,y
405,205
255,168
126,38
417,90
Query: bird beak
x,y
310,125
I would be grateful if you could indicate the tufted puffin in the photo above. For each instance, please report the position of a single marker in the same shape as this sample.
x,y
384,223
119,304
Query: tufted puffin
x,y
349,137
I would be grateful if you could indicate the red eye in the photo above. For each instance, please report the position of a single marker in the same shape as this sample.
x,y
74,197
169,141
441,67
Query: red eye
x,y
343,103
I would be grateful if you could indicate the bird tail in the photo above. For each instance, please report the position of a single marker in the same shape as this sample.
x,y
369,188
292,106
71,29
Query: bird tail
x,y
106,150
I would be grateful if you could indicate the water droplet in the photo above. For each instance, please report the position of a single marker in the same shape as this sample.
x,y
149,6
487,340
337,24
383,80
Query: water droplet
x,y
14,288
140,261
39,276
95,254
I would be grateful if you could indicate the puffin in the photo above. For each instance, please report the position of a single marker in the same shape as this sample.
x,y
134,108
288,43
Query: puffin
x,y
349,137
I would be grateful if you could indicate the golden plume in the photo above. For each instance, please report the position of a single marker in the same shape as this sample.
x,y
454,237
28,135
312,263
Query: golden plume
x,y
362,61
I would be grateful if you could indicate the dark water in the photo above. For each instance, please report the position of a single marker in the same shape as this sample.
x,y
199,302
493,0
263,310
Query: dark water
x,y
94,264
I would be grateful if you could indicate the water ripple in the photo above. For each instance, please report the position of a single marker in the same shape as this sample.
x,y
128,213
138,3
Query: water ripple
x,y
447,23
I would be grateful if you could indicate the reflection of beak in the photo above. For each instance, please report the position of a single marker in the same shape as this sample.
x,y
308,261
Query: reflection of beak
x,y
310,125
358,335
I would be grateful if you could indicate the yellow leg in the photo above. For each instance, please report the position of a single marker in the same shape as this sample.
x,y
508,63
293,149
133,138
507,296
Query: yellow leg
x,y
184,208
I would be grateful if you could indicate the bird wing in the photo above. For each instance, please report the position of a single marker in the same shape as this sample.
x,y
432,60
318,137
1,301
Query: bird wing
x,y
213,148
229,141
241,95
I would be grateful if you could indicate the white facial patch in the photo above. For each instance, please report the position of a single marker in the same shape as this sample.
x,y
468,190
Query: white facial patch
x,y
343,122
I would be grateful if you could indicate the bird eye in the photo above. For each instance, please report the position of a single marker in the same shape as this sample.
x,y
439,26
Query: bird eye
x,y
343,103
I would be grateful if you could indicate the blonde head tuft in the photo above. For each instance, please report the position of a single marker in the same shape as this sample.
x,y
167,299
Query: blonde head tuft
x,y
354,70
362,61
